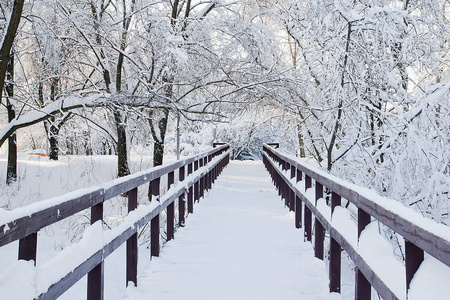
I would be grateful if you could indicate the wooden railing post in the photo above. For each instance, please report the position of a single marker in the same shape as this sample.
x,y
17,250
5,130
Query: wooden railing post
x,y
190,200
154,223
319,231
170,209
26,226
278,184
181,201
362,285
214,174
335,253
95,286
291,192
201,181
205,178
308,215
285,185
298,204
209,176
279,180
422,239
28,247
413,258
132,243
196,184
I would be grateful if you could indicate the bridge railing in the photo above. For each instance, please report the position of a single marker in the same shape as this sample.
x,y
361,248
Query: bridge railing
x,y
195,175
420,234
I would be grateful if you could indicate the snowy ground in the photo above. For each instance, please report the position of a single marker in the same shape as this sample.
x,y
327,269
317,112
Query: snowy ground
x,y
39,178
240,243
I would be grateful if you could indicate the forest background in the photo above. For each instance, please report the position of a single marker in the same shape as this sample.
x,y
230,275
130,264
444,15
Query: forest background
x,y
358,87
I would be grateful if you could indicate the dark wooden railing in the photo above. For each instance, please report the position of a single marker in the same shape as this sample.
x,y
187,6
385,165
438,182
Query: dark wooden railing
x,y
24,223
420,234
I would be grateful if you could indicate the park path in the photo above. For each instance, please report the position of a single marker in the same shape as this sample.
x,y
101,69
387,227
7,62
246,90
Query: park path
x,y
240,243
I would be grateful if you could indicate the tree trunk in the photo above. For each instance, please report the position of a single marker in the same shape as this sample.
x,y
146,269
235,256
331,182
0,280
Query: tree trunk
x,y
53,140
122,154
301,143
337,123
5,55
178,137
11,173
53,127
11,169
158,146
316,151
52,133
158,149
8,40
122,151
158,153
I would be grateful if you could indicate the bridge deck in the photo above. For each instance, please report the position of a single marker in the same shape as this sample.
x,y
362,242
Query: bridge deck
x,y
240,243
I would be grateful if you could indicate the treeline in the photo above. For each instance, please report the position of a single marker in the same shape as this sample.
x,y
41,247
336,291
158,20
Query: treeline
x,y
360,86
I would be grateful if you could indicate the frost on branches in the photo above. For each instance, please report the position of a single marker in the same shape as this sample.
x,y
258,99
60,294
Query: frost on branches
x,y
367,102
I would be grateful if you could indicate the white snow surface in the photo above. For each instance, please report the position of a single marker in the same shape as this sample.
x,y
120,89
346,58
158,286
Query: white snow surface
x,y
240,243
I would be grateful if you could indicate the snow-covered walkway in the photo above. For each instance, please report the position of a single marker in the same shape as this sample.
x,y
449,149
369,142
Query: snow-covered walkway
x,y
240,243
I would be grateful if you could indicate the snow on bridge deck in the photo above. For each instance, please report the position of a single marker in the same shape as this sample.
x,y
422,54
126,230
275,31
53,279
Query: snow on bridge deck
x,y
240,243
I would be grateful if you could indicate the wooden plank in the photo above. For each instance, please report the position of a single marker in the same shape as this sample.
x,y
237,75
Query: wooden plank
x,y
24,226
181,201
57,289
95,283
28,247
360,263
431,243
190,195
154,223
95,279
170,210
298,203
201,187
363,289
298,212
196,185
335,253
308,217
319,232
335,266
378,284
318,240
27,225
132,244
308,220
413,259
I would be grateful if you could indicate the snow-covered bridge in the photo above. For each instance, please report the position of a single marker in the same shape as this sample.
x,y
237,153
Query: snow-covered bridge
x,y
241,243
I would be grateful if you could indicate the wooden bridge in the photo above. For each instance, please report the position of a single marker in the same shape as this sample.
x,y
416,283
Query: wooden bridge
x,y
313,197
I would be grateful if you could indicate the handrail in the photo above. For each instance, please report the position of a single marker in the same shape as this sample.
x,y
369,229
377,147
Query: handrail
x,y
20,222
23,223
420,234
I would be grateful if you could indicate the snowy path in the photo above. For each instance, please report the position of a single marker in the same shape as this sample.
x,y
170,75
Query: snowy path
x,y
240,243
